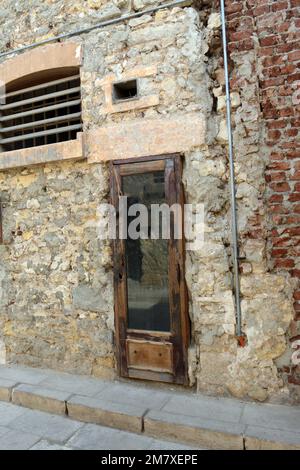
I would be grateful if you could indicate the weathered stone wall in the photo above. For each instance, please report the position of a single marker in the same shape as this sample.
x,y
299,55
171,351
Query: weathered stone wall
x,y
57,302
264,49
56,275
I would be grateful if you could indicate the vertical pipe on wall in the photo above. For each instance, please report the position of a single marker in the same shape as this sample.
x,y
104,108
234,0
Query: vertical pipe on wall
x,y
234,225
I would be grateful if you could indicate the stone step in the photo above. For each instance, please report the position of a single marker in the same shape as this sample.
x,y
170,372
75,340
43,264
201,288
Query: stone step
x,y
258,438
6,387
101,411
194,430
196,421
39,398
81,408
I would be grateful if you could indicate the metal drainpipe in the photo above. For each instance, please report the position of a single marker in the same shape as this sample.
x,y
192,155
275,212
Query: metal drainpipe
x,y
234,224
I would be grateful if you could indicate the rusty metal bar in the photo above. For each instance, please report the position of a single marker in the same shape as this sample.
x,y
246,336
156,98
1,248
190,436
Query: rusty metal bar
x,y
58,130
36,99
40,110
44,122
38,87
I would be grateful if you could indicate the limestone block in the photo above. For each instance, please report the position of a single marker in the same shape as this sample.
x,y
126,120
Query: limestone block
x,y
264,284
214,368
222,136
100,411
108,12
6,387
195,431
255,251
2,350
258,438
235,101
214,21
87,298
141,4
144,137
52,401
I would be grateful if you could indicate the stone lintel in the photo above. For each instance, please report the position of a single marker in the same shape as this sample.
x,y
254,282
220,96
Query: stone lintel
x,y
145,137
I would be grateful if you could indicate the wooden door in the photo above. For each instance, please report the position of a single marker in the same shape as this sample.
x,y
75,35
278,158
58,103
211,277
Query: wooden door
x,y
151,319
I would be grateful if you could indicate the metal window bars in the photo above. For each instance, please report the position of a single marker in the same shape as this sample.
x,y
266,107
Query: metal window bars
x,y
42,114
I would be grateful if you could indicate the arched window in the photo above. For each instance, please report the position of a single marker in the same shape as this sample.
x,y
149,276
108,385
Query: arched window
x,y
46,112
42,106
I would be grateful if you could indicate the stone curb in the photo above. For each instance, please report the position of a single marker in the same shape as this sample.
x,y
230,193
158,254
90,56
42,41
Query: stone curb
x,y
258,438
51,401
195,431
99,411
6,388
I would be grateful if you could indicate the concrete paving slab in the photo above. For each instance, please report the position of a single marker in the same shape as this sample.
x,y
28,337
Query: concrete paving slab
x,y
101,438
189,419
272,416
9,413
3,430
38,398
6,387
258,438
16,440
21,374
165,445
195,431
100,411
133,395
46,445
52,427
219,409
80,385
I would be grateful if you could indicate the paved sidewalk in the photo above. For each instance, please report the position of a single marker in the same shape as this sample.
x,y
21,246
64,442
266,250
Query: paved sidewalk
x,y
148,412
25,429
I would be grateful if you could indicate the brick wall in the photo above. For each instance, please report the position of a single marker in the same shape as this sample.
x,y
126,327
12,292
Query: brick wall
x,y
271,28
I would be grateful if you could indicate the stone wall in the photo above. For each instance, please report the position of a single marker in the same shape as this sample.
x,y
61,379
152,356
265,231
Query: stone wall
x,y
263,45
56,275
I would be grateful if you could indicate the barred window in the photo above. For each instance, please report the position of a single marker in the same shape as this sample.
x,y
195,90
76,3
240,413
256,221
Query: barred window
x,y
41,109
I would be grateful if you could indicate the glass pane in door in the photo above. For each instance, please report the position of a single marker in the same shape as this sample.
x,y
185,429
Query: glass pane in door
x,y
147,259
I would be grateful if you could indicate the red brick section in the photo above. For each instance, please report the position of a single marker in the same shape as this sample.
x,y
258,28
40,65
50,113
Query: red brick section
x,y
272,29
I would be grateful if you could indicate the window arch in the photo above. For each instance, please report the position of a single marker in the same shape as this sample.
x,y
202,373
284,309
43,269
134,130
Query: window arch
x,y
42,104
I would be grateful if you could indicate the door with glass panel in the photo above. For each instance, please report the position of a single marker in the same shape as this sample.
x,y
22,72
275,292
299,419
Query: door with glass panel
x,y
152,327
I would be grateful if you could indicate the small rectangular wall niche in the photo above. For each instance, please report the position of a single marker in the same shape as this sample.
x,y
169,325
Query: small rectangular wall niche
x,y
125,90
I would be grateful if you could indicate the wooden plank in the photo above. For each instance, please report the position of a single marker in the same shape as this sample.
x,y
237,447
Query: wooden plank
x,y
177,287
143,354
184,301
152,158
120,289
150,375
149,335
142,167
149,355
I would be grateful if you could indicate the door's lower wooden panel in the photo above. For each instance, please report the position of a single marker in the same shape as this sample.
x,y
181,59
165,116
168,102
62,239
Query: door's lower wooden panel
x,y
150,355
150,375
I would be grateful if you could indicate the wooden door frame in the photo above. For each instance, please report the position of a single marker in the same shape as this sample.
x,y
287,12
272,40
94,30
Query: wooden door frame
x,y
180,330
